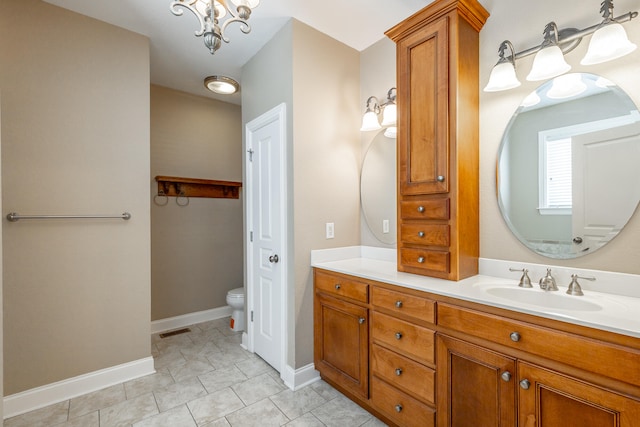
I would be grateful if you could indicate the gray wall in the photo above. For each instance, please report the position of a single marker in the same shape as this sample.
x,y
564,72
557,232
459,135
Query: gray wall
x,y
75,140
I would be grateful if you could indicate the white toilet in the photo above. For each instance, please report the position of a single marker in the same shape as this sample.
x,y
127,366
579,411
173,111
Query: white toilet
x,y
235,299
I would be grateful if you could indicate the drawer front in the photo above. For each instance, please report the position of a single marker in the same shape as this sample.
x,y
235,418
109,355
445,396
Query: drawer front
x,y
425,259
603,358
409,339
401,408
425,234
341,286
425,209
400,302
404,373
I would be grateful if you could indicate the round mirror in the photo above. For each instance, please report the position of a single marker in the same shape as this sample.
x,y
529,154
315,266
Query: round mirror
x,y
568,172
378,188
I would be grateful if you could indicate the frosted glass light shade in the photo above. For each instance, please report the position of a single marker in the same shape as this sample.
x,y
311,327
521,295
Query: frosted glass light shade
x,y
370,122
503,77
548,63
608,43
391,132
566,86
389,115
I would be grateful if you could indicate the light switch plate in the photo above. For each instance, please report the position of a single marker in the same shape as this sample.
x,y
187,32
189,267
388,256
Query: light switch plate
x,y
329,230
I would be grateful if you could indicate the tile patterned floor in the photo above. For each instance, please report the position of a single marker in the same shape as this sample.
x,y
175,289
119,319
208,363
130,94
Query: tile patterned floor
x,y
204,378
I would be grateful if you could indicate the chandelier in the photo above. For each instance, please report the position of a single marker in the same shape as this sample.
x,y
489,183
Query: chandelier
x,y
210,12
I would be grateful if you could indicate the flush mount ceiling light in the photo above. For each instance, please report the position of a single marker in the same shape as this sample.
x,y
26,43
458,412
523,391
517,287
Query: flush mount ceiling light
x,y
609,41
210,12
221,84
370,119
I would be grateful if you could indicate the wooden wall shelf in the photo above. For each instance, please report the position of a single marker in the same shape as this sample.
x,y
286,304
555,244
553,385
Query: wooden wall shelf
x,y
194,187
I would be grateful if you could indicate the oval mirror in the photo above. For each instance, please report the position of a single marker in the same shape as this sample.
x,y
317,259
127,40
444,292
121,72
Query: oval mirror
x,y
568,174
378,188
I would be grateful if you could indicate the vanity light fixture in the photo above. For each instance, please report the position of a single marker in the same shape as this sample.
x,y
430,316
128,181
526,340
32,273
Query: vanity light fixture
x,y
222,85
210,12
389,112
609,41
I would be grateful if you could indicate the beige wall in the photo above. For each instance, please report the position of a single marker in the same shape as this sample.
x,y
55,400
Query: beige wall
x,y
317,78
75,135
507,22
196,250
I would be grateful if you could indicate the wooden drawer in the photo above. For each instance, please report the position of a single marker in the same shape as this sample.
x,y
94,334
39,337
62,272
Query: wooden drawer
x,y
611,360
425,209
425,259
404,373
399,302
401,408
342,286
425,234
406,338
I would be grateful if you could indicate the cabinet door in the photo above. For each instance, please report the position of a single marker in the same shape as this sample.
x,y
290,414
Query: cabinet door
x,y
475,386
550,399
423,103
341,340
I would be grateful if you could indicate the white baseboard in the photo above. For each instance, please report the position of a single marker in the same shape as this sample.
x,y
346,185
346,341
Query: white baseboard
x,y
245,341
170,323
49,394
298,378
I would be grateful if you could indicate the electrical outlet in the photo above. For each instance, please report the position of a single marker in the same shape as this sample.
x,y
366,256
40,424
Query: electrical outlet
x,y
329,230
385,226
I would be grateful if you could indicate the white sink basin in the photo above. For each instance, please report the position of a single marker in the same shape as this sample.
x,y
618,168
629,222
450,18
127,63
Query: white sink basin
x,y
551,300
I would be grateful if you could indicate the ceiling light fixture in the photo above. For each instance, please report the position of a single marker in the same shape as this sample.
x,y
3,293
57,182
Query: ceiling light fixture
x,y
609,41
389,112
210,12
221,84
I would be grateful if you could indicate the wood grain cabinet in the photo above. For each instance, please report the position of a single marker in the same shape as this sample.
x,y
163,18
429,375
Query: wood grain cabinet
x,y
438,92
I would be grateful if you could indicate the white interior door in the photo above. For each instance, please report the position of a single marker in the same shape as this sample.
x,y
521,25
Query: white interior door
x,y
605,163
266,231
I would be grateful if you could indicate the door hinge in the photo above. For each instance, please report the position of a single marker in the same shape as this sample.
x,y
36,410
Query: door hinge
x,y
252,315
251,236
250,151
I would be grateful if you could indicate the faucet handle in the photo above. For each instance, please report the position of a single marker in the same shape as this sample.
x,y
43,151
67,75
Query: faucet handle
x,y
574,286
548,283
525,281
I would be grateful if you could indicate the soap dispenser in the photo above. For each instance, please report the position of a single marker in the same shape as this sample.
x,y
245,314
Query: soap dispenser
x,y
548,283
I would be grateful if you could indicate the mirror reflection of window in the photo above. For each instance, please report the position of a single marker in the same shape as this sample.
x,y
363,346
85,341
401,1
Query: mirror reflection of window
x,y
555,177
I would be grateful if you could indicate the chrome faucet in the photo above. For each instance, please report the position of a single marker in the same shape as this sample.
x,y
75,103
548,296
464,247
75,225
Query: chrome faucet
x,y
525,281
574,286
548,283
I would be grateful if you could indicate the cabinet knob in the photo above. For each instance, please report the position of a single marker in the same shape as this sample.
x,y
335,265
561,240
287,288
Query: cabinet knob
x,y
420,233
525,384
515,336
361,320
398,371
398,304
420,209
421,259
338,286
440,178
398,408
506,376
398,335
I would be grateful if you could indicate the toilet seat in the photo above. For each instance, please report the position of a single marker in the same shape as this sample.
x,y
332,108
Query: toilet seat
x,y
236,293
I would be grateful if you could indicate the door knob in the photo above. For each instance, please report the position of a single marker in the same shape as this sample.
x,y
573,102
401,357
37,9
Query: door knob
x,y
274,259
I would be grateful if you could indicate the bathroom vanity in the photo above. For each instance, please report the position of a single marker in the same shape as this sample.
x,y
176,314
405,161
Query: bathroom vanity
x,y
420,351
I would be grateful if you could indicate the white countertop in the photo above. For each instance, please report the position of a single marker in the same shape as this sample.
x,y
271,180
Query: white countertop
x,y
605,311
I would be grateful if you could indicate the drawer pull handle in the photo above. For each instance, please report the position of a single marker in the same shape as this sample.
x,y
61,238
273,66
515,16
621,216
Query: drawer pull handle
x,y
440,178
421,259
420,209
515,336
338,286
361,320
420,233
398,335
506,376
398,304
398,408
398,371
525,384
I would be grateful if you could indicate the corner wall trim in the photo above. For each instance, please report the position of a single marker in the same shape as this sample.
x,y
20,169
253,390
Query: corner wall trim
x,y
49,394
176,322
298,378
